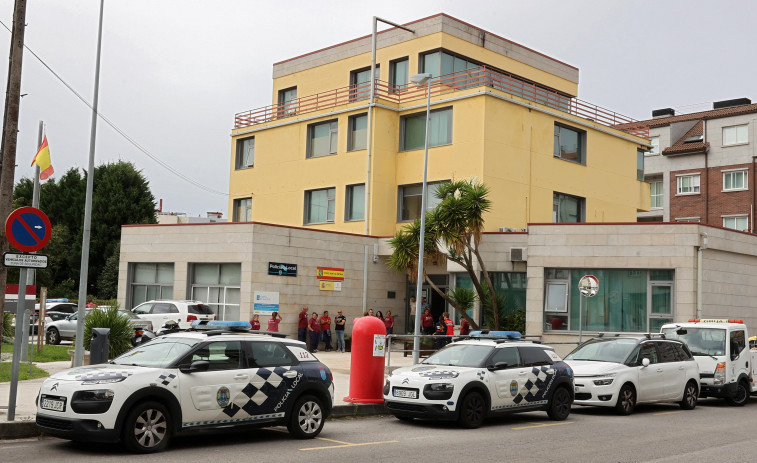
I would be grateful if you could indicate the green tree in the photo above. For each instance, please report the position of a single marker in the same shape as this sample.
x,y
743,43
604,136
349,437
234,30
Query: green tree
x,y
107,282
456,224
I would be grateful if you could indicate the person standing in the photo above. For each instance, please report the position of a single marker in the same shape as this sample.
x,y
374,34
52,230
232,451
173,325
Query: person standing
x,y
450,328
314,329
389,322
255,322
464,327
441,330
302,324
325,322
273,322
380,316
427,322
340,321
370,312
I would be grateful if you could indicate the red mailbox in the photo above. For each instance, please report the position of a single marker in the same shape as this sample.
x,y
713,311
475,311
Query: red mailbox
x,y
367,362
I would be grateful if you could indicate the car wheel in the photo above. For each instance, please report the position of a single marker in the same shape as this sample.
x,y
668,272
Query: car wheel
x,y
147,428
559,407
307,418
53,337
472,410
741,397
690,394
626,400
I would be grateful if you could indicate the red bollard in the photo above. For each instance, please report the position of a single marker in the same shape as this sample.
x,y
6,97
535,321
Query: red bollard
x,y
367,362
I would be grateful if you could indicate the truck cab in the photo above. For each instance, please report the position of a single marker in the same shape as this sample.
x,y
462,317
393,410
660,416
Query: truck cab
x,y
726,364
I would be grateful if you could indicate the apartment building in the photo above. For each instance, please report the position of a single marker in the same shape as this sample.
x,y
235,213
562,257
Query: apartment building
x,y
701,166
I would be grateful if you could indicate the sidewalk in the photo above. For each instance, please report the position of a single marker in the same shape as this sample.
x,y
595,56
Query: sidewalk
x,y
24,424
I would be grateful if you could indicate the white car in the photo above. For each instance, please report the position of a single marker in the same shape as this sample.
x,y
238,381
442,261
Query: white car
x,y
190,381
624,371
470,380
181,312
64,329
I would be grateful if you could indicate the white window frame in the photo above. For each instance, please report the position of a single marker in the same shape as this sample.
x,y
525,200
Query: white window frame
x,y
731,172
431,200
689,219
655,150
238,204
355,143
734,217
348,198
330,205
245,158
333,126
660,194
695,188
738,129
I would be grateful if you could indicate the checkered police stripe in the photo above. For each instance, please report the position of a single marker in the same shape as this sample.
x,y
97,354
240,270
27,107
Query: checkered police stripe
x,y
166,379
232,420
534,390
103,374
253,400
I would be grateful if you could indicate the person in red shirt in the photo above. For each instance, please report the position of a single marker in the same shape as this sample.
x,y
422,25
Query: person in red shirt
x,y
273,322
314,329
255,322
450,325
389,322
427,322
302,324
325,322
464,327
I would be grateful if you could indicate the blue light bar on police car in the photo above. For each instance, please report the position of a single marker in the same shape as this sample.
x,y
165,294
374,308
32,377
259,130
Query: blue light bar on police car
x,y
221,325
496,334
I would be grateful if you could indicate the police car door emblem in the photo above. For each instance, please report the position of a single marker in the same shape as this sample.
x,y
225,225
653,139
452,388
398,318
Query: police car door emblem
x,y
223,396
513,387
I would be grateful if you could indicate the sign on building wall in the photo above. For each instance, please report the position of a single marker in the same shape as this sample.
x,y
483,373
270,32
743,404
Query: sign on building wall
x,y
330,285
328,273
282,269
265,302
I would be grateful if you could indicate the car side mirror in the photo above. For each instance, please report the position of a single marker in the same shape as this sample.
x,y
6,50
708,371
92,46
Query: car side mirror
x,y
194,367
498,366
645,362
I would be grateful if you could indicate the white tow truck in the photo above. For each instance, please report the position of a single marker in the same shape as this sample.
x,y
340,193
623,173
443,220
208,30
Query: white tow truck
x,y
727,366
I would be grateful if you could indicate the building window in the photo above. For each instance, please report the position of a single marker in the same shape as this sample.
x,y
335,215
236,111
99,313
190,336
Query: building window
x,y
410,200
218,286
640,165
734,180
360,88
413,130
657,194
567,209
687,184
319,205
655,142
688,219
150,281
627,301
735,135
398,75
440,63
357,132
242,210
569,144
288,102
736,222
322,139
354,208
245,153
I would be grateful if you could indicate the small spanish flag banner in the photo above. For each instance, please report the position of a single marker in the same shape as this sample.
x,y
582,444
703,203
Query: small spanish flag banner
x,y
42,159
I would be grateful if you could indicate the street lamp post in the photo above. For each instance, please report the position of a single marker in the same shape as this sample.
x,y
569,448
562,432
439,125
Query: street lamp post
x,y
419,80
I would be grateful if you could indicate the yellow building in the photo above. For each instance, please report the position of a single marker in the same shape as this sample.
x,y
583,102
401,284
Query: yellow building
x,y
501,112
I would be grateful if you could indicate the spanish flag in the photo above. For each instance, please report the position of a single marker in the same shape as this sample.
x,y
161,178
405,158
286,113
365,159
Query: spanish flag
x,y
42,159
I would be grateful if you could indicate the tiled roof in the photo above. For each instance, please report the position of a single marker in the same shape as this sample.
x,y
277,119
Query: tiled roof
x,y
702,115
681,147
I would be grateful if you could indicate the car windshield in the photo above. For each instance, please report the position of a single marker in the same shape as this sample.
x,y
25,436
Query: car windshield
x,y
603,350
158,353
701,341
461,355
199,308
128,314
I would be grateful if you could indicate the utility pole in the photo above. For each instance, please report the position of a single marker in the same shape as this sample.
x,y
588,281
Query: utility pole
x,y
8,147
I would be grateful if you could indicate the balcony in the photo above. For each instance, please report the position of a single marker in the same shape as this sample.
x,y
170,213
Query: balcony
x,y
450,83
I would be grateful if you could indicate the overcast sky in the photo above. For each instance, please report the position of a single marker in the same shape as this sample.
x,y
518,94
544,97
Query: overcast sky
x,y
174,73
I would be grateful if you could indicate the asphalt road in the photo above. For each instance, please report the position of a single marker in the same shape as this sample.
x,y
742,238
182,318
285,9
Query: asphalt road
x,y
664,433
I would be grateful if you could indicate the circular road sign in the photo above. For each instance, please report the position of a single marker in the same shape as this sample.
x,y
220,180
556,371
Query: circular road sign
x,y
28,229
588,285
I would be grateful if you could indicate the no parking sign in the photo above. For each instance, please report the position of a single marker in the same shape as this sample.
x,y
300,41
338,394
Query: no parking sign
x,y
28,229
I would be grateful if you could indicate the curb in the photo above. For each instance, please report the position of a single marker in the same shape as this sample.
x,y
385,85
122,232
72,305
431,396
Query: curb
x,y
340,411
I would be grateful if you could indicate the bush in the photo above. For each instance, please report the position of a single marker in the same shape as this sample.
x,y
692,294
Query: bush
x,y
121,330
7,328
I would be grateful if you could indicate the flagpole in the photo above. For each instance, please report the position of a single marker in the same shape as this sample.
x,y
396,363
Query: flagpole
x,y
84,269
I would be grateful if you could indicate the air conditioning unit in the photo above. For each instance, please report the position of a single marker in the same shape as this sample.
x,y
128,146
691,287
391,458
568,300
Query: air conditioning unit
x,y
507,229
518,255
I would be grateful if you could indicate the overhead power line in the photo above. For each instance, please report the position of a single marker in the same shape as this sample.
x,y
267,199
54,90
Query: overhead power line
x,y
126,136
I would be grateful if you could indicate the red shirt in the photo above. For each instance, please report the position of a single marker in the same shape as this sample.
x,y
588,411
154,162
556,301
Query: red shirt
x,y
450,326
314,325
389,321
325,323
427,320
303,322
255,324
273,324
464,326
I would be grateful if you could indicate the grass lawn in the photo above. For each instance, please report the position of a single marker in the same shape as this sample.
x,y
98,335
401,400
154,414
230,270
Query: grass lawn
x,y
52,353
23,372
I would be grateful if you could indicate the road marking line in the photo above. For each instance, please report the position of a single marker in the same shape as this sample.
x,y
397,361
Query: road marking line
x,y
332,440
667,413
542,425
350,445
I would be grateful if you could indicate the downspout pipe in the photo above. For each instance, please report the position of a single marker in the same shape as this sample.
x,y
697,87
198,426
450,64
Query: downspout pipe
x,y
700,252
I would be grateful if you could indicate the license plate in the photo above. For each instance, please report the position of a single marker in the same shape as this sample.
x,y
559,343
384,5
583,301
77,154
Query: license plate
x,y
406,393
55,405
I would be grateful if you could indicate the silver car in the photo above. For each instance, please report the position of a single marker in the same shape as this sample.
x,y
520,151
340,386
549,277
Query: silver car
x,y
65,329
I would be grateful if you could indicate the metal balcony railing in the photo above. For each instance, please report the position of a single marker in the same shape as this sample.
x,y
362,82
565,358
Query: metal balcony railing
x,y
449,83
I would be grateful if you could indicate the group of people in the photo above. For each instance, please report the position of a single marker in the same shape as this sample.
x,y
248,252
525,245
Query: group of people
x,y
273,322
317,330
388,320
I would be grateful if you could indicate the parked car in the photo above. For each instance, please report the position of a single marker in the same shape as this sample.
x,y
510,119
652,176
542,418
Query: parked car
x,y
182,312
190,381
64,329
472,379
624,371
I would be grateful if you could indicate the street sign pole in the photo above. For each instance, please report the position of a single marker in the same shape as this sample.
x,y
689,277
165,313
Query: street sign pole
x,y
18,346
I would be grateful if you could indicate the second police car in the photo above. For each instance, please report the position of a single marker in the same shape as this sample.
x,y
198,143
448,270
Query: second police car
x,y
470,380
189,381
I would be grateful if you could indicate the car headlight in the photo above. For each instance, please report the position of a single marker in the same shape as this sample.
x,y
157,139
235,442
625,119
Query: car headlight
x,y
92,401
97,394
604,381
90,382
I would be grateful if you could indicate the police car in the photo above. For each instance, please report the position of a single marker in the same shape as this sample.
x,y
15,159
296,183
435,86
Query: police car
x,y
219,377
472,379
